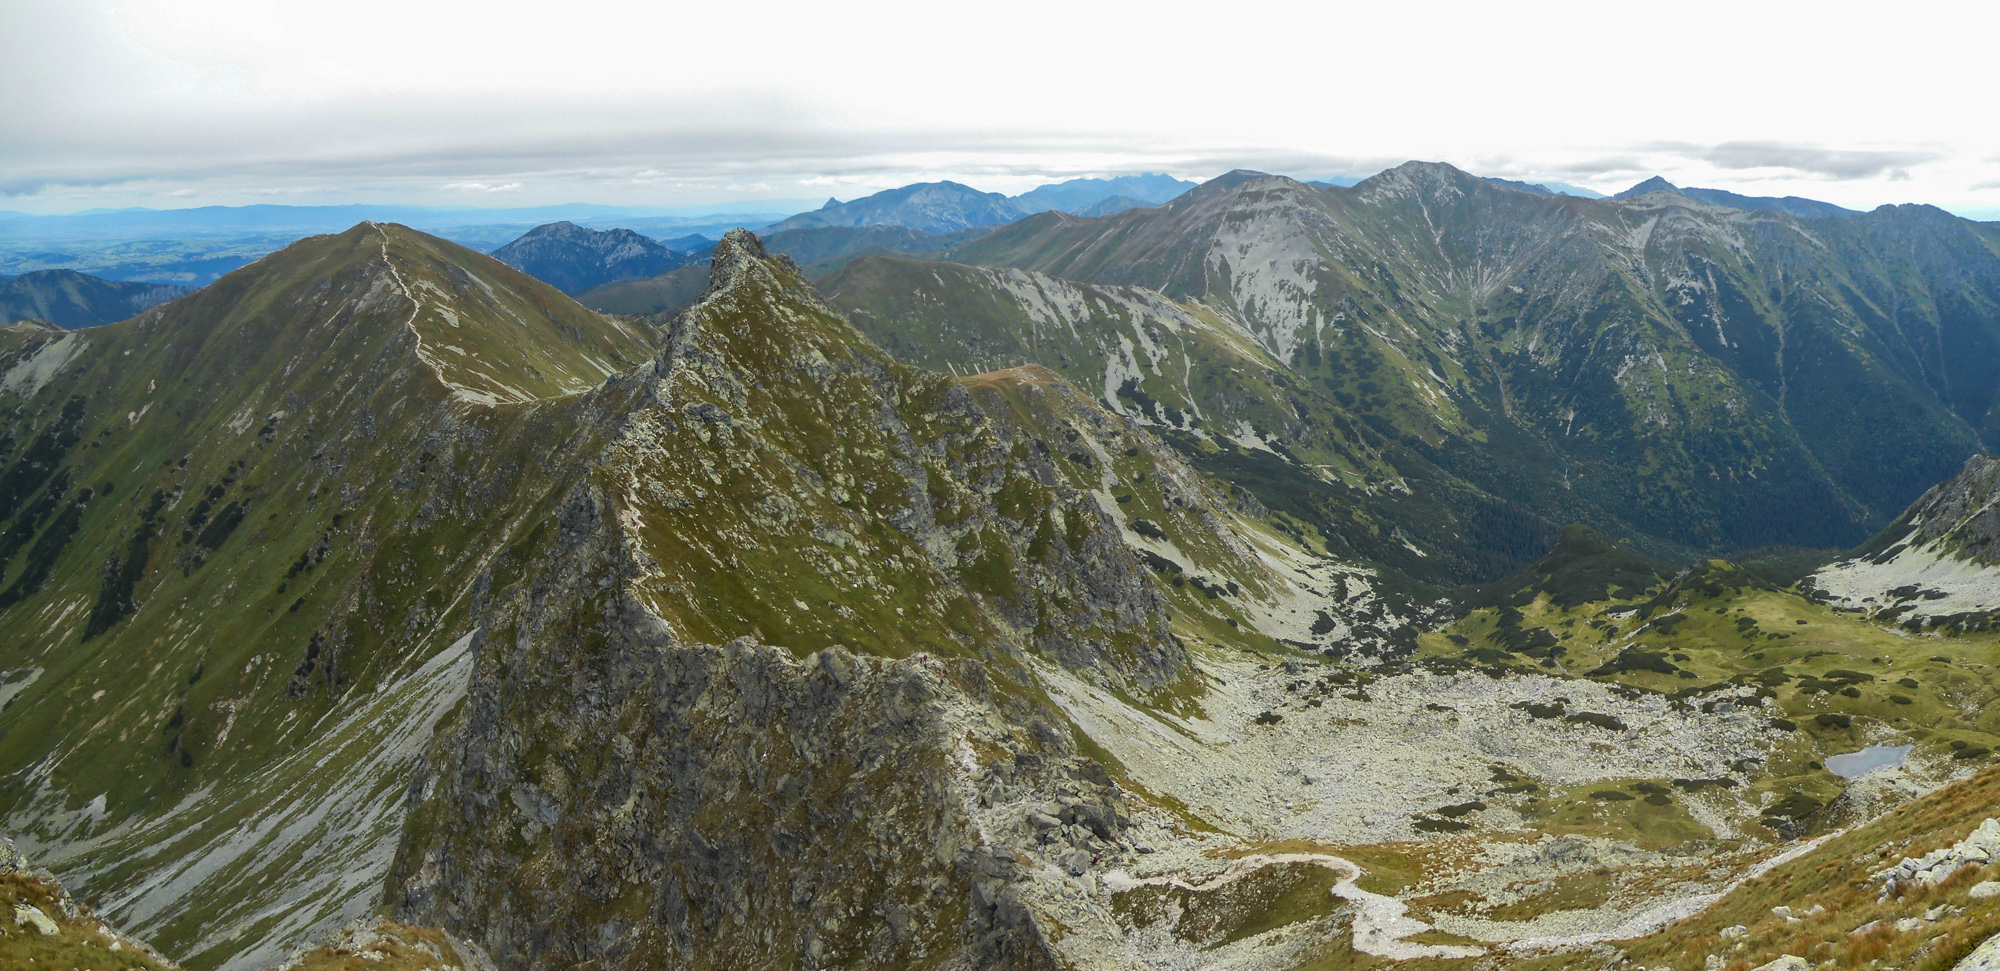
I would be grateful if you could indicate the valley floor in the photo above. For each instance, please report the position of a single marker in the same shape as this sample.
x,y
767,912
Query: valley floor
x,y
1311,810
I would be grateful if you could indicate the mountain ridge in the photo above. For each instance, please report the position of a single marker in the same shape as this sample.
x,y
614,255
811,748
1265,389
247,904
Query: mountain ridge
x,y
1789,205
1494,271
1078,195
932,207
267,468
1192,377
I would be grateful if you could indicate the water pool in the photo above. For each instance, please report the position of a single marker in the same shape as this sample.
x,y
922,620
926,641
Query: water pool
x,y
1854,765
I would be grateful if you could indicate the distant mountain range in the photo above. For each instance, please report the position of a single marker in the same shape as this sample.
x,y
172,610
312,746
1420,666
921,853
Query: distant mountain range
x,y
1595,335
1789,205
818,250
1535,350
192,247
70,299
574,259
304,220
933,207
943,207
1079,195
1547,188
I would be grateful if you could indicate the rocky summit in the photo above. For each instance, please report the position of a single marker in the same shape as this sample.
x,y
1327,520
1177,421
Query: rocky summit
x,y
1257,580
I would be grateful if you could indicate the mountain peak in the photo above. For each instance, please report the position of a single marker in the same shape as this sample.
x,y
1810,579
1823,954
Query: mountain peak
x,y
1654,184
1789,205
1429,181
1436,170
389,294
1422,176
1097,197
739,252
933,207
1235,177
574,258
1223,183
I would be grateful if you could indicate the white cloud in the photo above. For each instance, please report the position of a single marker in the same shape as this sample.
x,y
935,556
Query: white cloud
x,y
481,187
224,97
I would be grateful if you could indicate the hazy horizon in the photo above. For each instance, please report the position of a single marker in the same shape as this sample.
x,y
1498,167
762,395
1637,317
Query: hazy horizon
x,y
117,103
763,207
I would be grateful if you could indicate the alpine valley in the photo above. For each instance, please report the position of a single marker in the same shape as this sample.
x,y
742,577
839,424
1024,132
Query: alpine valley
x,y
1433,572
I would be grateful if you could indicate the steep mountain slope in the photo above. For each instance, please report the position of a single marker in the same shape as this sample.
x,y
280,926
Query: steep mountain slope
x,y
67,298
812,595
265,543
574,259
621,791
931,207
1936,567
1081,195
20,341
1185,372
1701,378
234,526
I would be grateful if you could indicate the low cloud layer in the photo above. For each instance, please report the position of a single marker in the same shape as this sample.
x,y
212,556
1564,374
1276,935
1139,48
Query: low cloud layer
x,y
1816,161
154,102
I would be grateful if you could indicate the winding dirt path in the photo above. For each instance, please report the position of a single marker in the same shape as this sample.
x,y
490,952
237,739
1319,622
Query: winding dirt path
x,y
417,307
1380,923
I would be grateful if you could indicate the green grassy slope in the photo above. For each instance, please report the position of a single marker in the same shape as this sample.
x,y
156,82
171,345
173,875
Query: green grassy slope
x,y
232,518
1715,633
1827,905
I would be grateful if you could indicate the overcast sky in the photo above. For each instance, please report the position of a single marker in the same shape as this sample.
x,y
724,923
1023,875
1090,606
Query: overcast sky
x,y
188,102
